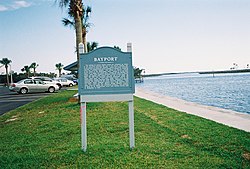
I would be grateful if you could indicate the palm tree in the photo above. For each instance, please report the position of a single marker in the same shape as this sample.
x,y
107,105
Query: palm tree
x,y
91,46
59,67
6,62
85,25
75,10
26,69
137,72
34,66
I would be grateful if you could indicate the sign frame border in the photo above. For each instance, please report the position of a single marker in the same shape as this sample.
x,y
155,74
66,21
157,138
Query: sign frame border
x,y
107,98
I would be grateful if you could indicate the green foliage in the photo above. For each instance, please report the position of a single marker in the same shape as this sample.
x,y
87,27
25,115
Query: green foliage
x,y
91,46
19,76
59,67
5,62
46,134
26,69
85,24
33,66
138,72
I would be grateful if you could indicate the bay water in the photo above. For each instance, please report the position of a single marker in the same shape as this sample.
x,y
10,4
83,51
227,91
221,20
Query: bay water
x,y
228,91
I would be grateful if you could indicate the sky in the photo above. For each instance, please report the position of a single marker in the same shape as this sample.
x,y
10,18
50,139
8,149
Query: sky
x,y
166,35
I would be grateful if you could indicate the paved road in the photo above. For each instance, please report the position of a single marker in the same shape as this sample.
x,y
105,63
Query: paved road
x,y
11,100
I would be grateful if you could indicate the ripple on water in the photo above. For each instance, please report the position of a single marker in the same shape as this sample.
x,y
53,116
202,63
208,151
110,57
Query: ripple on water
x,y
228,91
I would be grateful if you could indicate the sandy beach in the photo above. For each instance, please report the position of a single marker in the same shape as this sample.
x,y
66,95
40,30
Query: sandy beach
x,y
223,116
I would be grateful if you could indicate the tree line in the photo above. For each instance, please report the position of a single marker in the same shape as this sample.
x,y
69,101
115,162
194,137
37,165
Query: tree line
x,y
11,76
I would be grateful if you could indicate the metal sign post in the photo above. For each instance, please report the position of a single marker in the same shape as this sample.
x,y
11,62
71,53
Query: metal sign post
x,y
84,126
131,125
106,74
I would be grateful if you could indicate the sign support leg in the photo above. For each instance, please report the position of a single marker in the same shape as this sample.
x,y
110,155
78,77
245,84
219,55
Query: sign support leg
x,y
84,126
131,124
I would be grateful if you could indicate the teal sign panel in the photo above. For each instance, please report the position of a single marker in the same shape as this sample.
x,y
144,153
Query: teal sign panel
x,y
106,70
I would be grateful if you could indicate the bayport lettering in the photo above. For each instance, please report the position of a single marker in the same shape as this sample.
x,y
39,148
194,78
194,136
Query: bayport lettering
x,y
105,59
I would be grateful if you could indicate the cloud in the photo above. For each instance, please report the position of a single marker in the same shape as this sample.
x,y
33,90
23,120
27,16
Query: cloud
x,y
3,8
15,5
20,4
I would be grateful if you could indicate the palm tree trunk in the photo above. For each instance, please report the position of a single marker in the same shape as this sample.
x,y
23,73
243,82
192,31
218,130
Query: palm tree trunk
x,y
7,75
78,27
84,39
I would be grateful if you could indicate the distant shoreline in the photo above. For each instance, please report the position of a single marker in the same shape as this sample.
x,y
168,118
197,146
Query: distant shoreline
x,y
204,72
226,71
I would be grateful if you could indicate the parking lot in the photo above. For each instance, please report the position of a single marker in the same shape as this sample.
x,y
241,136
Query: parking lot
x,y
11,100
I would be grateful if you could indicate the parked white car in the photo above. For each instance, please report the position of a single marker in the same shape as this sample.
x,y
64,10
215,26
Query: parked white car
x,y
47,80
70,77
32,85
64,81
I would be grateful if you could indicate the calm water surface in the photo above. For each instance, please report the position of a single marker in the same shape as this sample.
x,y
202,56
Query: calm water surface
x,y
228,91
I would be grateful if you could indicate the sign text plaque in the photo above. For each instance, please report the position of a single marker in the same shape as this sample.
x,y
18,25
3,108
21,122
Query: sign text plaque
x,y
106,74
106,71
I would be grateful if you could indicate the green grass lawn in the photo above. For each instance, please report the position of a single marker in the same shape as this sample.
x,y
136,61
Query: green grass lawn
x,y
46,134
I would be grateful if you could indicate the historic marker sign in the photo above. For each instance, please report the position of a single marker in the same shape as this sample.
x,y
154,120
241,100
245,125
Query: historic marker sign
x,y
106,71
106,74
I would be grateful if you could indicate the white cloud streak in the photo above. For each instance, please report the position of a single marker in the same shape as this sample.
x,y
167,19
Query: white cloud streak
x,y
3,8
15,5
20,4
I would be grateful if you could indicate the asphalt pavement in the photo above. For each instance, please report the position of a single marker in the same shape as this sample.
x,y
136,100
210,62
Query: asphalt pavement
x,y
11,100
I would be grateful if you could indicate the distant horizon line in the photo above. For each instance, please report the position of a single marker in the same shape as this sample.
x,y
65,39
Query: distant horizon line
x,y
244,70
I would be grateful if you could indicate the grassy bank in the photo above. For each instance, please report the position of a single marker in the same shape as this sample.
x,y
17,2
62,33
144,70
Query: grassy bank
x,y
46,134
